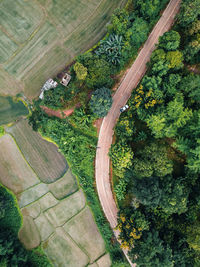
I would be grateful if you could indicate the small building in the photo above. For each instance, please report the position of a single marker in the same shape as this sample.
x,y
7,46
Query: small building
x,y
49,84
65,79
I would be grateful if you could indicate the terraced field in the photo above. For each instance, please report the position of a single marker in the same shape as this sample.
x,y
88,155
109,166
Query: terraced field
x,y
11,110
55,212
43,157
42,36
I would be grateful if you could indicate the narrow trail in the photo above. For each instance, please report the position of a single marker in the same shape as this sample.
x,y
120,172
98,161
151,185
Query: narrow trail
x,y
130,81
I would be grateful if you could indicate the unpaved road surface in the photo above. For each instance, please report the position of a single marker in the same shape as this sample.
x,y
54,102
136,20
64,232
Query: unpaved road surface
x,y
120,98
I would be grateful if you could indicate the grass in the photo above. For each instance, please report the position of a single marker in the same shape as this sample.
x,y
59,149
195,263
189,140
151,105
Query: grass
x,y
64,186
63,251
83,225
44,36
66,209
7,47
52,163
14,169
11,110
20,18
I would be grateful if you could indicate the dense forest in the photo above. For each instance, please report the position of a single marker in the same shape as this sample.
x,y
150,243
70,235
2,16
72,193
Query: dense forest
x,y
156,155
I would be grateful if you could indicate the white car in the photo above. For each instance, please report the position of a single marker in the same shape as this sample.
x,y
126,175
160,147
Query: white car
x,y
124,108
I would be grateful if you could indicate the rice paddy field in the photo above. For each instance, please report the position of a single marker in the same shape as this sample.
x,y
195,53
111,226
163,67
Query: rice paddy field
x,y
39,38
55,212
11,110
42,156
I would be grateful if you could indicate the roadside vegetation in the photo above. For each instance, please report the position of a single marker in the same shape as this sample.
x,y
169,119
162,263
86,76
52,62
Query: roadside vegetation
x,y
156,154
93,75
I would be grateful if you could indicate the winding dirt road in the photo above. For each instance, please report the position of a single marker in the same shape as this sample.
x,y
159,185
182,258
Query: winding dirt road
x,y
120,98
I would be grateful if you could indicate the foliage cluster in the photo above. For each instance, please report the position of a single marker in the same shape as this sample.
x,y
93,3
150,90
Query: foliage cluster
x,y
159,204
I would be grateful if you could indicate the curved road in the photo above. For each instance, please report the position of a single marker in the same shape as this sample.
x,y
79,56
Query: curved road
x,y
120,98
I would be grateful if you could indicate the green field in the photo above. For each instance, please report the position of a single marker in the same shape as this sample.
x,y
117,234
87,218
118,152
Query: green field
x,y
52,164
41,37
11,110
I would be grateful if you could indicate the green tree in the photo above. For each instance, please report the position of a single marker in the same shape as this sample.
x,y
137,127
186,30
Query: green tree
x,y
152,160
193,236
101,102
189,12
170,40
81,71
174,59
121,155
149,251
99,72
139,32
147,191
190,85
148,8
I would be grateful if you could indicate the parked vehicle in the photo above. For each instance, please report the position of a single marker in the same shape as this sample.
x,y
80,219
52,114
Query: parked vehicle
x,y
124,108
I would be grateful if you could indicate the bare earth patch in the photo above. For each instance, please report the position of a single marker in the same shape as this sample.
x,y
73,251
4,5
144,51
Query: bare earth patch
x,y
15,173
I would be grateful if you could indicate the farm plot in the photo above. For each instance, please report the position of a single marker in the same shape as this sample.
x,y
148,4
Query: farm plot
x,y
29,55
10,110
15,173
43,157
20,18
62,251
7,47
84,232
48,34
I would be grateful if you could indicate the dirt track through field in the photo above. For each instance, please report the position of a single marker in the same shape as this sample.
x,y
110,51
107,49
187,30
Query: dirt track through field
x,y
120,98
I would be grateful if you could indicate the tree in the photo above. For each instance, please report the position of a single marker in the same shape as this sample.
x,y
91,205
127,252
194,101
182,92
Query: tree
x,y
121,155
193,236
101,102
148,8
189,12
119,22
139,32
152,160
190,85
170,40
99,72
81,71
147,191
174,59
149,251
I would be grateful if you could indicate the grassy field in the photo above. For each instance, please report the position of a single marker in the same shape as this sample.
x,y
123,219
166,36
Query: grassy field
x,y
52,165
42,36
15,173
10,110
83,225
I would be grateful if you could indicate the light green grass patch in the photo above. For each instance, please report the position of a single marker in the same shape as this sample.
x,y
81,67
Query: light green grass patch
x,y
8,84
47,201
69,15
62,251
43,157
11,110
48,66
87,34
64,186
104,261
82,228
29,234
66,208
32,194
32,210
14,171
35,49
44,227
7,47
20,18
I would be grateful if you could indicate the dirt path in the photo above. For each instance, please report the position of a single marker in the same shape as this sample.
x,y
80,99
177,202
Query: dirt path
x,y
58,113
120,98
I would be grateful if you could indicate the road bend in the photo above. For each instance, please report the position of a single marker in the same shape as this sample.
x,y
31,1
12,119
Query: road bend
x,y
130,81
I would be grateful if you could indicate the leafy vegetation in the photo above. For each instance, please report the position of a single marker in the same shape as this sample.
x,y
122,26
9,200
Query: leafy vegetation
x,y
158,190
